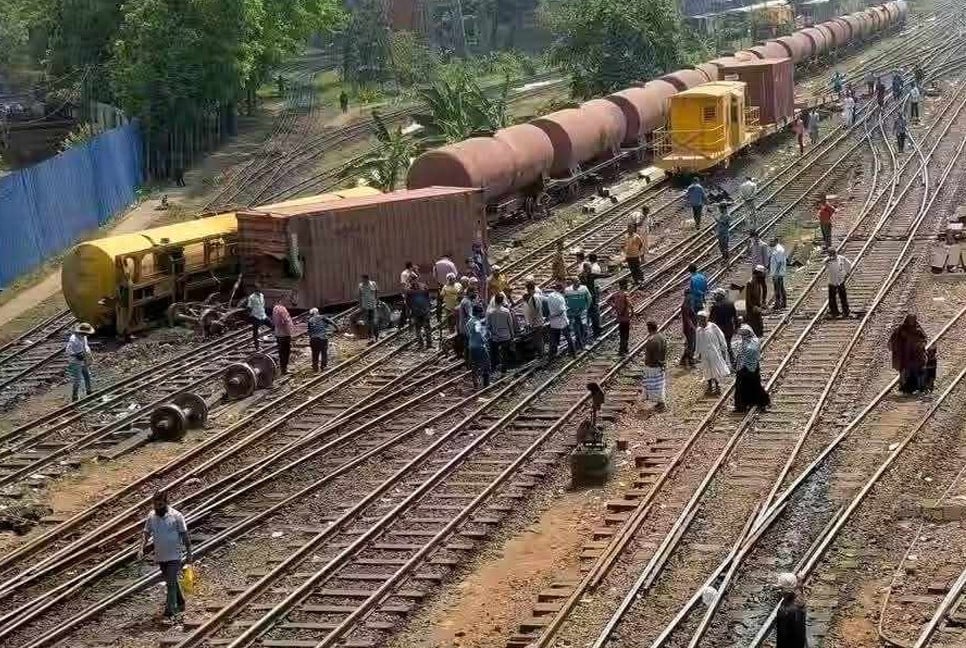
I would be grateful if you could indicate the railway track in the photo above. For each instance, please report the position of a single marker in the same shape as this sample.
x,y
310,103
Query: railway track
x,y
748,450
34,358
651,509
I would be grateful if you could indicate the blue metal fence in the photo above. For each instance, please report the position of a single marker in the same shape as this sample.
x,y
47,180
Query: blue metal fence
x,y
47,207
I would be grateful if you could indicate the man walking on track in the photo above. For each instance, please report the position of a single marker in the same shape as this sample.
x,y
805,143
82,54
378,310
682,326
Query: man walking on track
x,y
368,302
836,269
558,321
688,323
79,358
712,351
749,391
256,313
696,197
777,267
900,131
166,527
791,624
655,367
319,327
747,191
825,212
420,305
908,347
623,311
633,249
282,321
722,229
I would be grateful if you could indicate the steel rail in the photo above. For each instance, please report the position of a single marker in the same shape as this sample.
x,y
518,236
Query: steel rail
x,y
947,604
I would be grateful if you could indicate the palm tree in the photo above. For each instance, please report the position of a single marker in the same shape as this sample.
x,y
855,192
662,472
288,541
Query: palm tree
x,y
458,108
383,166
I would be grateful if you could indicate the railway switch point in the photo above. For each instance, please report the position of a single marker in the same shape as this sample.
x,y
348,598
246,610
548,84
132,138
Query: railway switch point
x,y
243,378
170,421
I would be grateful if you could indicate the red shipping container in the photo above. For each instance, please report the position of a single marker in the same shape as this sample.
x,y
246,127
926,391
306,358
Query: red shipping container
x,y
336,243
770,86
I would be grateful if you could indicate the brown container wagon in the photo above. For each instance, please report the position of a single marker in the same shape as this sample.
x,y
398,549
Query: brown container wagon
x,y
335,243
769,85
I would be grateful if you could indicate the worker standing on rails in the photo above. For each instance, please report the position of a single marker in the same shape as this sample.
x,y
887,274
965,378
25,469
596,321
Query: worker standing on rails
x,y
655,367
698,284
848,110
880,91
477,341
712,351
633,249
368,302
282,321
589,279
798,127
915,96
558,268
420,306
167,529
722,228
319,327
777,267
837,268
725,316
747,191
79,358
449,298
746,349
688,324
344,101
825,212
463,315
497,283
791,624
535,312
900,130
907,344
696,197
758,252
558,322
406,277
623,311
869,83
256,313
502,330
578,300
755,301
813,124
897,85
838,80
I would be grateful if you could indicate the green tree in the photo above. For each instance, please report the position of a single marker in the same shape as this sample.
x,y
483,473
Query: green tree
x,y
411,60
458,108
14,29
366,44
608,44
384,166
80,135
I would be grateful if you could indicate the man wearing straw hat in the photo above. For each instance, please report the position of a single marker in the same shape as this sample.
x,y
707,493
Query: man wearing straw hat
x,y
79,358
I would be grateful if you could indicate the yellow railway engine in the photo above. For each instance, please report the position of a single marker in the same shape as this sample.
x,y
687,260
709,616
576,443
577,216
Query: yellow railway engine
x,y
706,125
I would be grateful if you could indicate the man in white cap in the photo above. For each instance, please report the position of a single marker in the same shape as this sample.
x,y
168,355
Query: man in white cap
x,y
711,350
79,358
791,623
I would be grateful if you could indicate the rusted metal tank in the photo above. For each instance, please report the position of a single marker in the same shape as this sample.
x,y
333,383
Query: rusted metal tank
x,y
820,42
891,11
798,46
610,119
865,20
903,7
829,36
684,79
532,152
576,137
880,18
769,50
481,162
644,108
856,26
839,31
337,242
721,62
744,55
709,70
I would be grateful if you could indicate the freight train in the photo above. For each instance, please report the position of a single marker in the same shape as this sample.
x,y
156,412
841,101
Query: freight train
x,y
520,167
127,282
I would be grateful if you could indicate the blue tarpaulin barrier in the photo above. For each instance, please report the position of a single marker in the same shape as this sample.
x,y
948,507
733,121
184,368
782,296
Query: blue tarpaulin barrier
x,y
47,207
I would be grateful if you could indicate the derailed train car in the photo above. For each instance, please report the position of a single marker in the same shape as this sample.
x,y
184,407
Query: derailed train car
x,y
582,142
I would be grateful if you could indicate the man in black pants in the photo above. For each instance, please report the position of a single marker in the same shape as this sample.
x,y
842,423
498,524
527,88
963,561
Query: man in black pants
x,y
623,310
837,269
319,328
256,313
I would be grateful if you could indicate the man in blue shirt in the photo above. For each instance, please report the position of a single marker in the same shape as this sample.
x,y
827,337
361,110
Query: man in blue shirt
x,y
696,197
698,286
477,339
167,529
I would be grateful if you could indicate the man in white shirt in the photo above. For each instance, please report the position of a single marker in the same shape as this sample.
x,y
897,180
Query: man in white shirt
x,y
79,357
532,305
256,313
915,96
747,191
837,269
558,321
409,275
444,267
777,266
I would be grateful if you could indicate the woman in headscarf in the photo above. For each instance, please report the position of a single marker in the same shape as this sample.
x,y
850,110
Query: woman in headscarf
x,y
712,351
748,389
908,347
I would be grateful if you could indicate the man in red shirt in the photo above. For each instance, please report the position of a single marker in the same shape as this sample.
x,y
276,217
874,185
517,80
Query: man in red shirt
x,y
283,334
825,213
623,310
